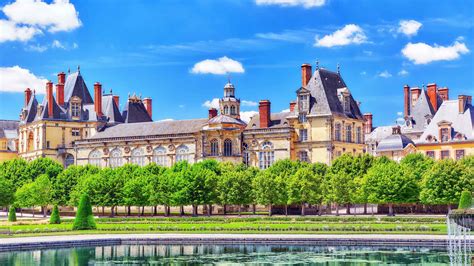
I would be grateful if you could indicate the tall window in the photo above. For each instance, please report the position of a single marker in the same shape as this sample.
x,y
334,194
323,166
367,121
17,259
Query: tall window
x,y
116,158
160,157
182,154
227,147
430,154
302,118
266,156
226,110
75,109
138,157
337,132
233,110
444,155
246,154
303,134
95,158
303,102
444,134
459,154
303,156
214,147
69,160
348,133
75,132
359,135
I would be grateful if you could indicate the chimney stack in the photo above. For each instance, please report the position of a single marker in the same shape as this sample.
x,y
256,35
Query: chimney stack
x,y
264,113
27,96
60,88
98,98
406,98
368,123
148,107
117,101
305,74
444,93
415,94
433,96
463,101
49,97
212,113
292,106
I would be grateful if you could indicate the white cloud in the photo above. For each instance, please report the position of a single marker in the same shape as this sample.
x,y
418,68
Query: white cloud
x,y
17,79
60,15
247,115
399,113
403,72
385,74
166,119
304,3
285,110
422,53
350,34
248,103
9,31
220,66
363,73
75,45
57,44
37,48
214,103
409,27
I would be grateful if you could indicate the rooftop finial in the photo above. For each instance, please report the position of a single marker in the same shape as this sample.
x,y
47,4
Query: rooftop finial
x,y
69,70
110,91
228,77
34,92
317,64
129,95
423,85
78,69
338,68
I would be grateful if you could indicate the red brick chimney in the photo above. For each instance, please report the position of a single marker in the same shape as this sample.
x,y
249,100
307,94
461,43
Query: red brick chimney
x,y
305,74
27,96
117,100
368,123
60,88
148,107
49,97
62,78
212,113
463,101
406,98
432,95
444,93
264,112
292,106
415,94
98,98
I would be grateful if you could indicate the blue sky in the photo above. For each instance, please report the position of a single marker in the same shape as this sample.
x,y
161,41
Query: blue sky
x,y
178,52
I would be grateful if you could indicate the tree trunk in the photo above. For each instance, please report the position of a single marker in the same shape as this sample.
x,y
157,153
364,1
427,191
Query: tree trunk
x,y
181,210
43,208
286,209
112,211
337,209
103,210
21,212
240,209
33,211
225,209
209,209
143,210
348,210
254,207
155,210
193,210
365,208
390,209
302,209
449,208
129,211
320,211
270,209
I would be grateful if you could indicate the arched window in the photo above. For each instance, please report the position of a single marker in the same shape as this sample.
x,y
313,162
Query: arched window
x,y
337,132
266,156
226,110
95,158
233,110
246,154
116,158
30,142
214,147
138,157
160,157
69,160
348,133
182,154
303,156
227,147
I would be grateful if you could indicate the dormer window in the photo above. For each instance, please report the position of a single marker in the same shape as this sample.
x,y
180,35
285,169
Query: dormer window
x,y
302,118
75,109
303,103
444,134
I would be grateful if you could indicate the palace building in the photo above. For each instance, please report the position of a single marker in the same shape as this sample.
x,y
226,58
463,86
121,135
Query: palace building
x,y
73,127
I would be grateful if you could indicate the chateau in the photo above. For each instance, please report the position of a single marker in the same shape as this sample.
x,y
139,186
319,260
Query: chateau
x,y
73,127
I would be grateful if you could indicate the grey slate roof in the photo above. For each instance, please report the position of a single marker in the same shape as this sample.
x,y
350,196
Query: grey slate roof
x,y
58,111
110,109
395,142
226,119
9,129
31,110
323,87
418,113
146,129
378,134
278,120
135,112
460,123
75,86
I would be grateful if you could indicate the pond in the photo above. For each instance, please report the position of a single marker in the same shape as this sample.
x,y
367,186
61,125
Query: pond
x,y
227,254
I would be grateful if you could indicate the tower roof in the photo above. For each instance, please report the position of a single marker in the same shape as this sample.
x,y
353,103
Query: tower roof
x,y
75,86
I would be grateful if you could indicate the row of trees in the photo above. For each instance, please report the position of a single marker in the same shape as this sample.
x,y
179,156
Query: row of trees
x,y
349,180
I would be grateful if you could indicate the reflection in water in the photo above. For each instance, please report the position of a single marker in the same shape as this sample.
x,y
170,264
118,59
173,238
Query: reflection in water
x,y
225,254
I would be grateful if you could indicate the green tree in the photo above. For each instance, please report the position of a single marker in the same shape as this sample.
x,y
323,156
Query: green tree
x,y
7,191
466,200
135,191
385,183
67,180
235,187
283,170
25,196
264,185
55,219
46,166
444,182
84,218
16,171
42,192
304,187
12,214
200,186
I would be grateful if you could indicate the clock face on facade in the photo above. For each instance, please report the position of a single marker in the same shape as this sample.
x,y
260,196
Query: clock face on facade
x,y
254,142
106,151
127,149
171,147
149,148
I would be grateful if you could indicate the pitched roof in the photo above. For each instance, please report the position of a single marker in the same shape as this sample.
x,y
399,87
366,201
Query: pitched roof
x,y
149,129
9,129
135,112
394,142
75,86
110,109
419,113
278,120
220,119
31,110
58,111
378,134
462,123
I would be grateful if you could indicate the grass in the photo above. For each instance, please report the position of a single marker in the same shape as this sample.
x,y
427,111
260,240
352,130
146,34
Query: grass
x,y
240,225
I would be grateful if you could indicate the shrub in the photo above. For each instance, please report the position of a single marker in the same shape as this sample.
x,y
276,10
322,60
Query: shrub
x,y
55,219
466,200
12,214
84,218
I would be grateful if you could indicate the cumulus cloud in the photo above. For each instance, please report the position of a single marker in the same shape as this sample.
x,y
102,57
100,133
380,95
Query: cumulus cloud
x,y
285,110
422,53
17,79
214,103
349,34
304,3
403,72
10,31
220,66
57,44
60,15
385,74
248,103
247,115
409,27
36,48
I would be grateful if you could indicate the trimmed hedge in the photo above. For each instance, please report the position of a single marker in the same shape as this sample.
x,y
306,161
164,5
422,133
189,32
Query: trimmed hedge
x,y
466,200
12,214
84,217
55,219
